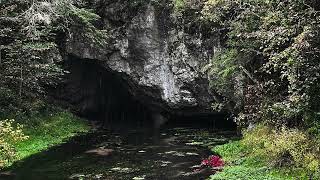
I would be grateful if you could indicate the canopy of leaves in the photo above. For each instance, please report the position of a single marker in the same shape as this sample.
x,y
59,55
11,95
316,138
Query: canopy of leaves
x,y
277,44
31,33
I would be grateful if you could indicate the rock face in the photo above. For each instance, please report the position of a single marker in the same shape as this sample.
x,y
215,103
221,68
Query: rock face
x,y
159,61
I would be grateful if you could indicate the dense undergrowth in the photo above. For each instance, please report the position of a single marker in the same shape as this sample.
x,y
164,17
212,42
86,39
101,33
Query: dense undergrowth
x,y
267,68
266,153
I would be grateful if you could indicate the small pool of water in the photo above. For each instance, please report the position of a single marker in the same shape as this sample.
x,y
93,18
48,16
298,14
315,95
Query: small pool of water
x,y
172,153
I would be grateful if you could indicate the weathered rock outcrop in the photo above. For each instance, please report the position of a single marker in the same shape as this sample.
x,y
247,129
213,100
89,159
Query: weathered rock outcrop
x,y
158,59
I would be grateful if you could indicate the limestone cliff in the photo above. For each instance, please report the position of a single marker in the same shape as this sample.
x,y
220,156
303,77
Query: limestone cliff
x,y
158,57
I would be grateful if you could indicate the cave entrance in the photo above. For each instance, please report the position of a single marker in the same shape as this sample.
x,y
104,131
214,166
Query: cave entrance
x,y
102,96
210,121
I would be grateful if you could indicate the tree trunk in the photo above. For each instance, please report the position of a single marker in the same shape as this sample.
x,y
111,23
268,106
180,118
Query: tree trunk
x,y
21,81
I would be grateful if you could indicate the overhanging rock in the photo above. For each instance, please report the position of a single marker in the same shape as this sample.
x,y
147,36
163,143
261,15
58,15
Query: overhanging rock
x,y
159,61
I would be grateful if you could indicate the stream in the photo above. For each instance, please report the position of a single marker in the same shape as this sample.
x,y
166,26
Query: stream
x,y
171,153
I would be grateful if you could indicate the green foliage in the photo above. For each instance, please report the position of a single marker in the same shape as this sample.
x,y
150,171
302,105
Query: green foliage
x,y
267,153
248,173
11,106
41,46
30,31
242,165
178,5
10,135
29,52
216,11
279,58
83,20
222,70
277,45
41,18
48,129
40,132
229,151
285,147
185,14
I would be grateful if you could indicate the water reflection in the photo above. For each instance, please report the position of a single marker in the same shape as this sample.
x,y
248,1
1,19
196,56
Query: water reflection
x,y
172,153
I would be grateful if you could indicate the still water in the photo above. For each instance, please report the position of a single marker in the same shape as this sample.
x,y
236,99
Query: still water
x,y
171,153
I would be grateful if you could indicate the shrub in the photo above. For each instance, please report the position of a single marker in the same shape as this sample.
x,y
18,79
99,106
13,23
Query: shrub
x,y
284,147
10,134
256,138
213,161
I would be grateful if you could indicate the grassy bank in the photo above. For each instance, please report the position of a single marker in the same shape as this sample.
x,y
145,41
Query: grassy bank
x,y
255,157
240,165
46,130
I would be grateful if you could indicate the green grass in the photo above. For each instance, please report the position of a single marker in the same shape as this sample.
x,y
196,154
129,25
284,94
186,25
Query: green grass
x,y
242,165
47,130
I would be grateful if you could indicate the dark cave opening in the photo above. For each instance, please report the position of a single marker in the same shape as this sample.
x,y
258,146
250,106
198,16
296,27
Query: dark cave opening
x,y
210,121
102,96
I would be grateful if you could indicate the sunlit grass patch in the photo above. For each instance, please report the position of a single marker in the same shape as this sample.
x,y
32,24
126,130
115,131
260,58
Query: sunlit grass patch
x,y
47,130
266,153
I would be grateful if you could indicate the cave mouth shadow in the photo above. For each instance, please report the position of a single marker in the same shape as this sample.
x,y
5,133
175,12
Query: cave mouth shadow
x,y
209,121
105,98
102,96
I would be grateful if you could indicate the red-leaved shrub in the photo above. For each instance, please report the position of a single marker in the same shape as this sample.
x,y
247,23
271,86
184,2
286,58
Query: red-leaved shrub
x,y
212,161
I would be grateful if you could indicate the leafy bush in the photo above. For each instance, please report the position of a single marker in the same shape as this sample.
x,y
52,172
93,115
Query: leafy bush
x,y
277,44
222,72
242,165
269,153
10,134
213,161
284,147
178,4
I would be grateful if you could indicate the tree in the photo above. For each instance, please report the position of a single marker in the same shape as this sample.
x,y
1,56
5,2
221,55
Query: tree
x,y
30,47
277,44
